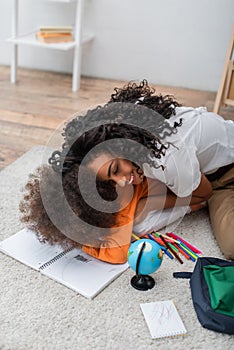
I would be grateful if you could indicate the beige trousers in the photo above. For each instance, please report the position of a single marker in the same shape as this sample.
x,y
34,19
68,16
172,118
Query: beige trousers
x,y
221,209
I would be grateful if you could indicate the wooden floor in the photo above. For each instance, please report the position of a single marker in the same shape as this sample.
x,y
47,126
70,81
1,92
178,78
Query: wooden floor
x,y
40,103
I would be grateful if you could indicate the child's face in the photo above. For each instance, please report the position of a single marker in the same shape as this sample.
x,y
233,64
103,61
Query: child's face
x,y
119,170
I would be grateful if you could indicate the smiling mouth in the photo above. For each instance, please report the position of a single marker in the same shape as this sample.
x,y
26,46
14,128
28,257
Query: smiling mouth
x,y
129,182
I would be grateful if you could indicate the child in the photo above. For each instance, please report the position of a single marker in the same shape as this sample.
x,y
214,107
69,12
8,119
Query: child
x,y
149,158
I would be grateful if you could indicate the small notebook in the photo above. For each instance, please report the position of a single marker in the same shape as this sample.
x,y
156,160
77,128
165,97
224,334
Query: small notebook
x,y
71,267
163,319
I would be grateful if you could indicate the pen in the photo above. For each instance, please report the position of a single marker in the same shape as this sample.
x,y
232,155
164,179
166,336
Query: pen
x,y
170,249
173,246
183,252
162,245
194,255
135,236
171,239
159,241
189,245
167,252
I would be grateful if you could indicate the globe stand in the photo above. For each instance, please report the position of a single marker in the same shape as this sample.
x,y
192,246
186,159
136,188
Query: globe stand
x,y
142,282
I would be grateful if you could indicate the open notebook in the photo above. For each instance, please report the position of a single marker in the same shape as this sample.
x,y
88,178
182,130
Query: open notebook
x,y
72,267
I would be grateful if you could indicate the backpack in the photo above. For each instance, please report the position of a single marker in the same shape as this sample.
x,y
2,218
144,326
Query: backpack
x,y
212,289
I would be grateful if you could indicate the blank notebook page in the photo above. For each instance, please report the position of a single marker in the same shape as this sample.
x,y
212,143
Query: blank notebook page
x,y
163,319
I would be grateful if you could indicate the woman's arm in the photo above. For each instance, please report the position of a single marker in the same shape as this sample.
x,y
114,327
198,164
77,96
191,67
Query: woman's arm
x,y
203,191
115,247
169,200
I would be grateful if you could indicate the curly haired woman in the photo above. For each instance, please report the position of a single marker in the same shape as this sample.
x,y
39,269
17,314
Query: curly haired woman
x,y
143,159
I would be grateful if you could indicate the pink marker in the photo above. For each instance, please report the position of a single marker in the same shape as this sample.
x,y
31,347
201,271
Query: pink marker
x,y
190,246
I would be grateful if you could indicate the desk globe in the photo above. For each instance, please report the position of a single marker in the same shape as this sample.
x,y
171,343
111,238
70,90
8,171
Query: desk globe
x,y
144,257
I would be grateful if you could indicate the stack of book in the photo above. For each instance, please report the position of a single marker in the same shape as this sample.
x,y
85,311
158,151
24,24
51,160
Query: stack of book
x,y
54,34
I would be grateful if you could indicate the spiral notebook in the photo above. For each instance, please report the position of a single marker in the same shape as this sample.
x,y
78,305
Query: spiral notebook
x,y
163,319
71,267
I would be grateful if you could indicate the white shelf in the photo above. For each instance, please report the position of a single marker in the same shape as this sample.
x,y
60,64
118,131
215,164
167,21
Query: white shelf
x,y
30,39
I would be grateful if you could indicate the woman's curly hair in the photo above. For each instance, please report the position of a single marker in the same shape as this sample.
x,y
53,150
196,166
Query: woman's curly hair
x,y
43,208
132,125
142,94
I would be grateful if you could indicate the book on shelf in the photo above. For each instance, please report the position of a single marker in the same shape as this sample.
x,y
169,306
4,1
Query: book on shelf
x,y
56,29
55,34
71,267
54,37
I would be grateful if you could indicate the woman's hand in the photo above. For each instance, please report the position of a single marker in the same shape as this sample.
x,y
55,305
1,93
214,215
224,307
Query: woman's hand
x,y
204,191
199,206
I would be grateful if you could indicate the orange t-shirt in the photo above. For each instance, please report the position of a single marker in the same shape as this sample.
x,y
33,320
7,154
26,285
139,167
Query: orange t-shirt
x,y
115,247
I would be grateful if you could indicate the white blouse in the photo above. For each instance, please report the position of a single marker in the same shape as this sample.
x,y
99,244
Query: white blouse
x,y
204,143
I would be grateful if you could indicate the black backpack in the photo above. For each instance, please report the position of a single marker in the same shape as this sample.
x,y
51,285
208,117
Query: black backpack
x,y
221,317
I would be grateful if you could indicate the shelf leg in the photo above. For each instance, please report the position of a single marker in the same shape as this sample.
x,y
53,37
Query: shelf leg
x,y
14,58
76,69
14,63
219,96
78,48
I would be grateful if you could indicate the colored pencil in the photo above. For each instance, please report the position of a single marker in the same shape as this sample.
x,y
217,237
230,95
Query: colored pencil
x,y
170,239
135,236
173,252
189,245
194,255
183,252
163,247
172,245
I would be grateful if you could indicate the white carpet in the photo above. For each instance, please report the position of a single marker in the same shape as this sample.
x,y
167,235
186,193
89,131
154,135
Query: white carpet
x,y
38,313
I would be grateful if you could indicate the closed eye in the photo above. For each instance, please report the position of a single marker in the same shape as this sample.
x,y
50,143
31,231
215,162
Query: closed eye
x,y
115,169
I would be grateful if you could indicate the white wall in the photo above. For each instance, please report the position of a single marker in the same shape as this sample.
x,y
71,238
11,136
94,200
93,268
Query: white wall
x,y
169,42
